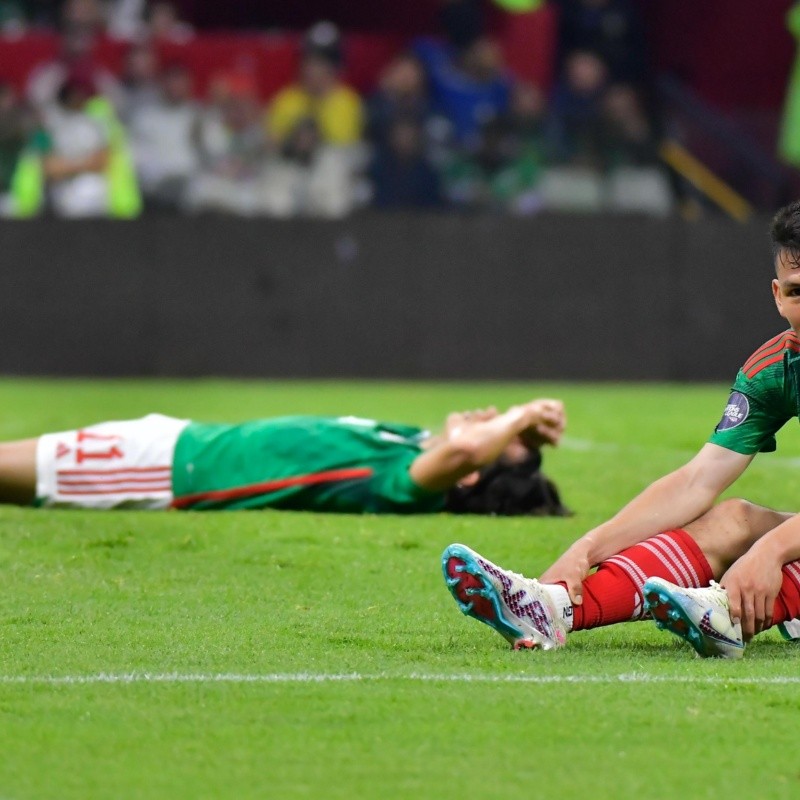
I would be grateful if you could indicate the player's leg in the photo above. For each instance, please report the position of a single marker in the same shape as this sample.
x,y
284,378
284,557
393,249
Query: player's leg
x,y
701,617
517,607
18,472
729,530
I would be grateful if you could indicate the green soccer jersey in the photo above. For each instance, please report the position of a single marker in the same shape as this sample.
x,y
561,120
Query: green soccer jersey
x,y
765,395
303,463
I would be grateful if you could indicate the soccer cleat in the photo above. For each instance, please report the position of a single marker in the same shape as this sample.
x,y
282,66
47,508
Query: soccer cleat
x,y
519,609
790,630
700,617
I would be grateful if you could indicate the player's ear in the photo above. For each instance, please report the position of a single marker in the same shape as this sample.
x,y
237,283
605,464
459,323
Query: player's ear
x,y
776,293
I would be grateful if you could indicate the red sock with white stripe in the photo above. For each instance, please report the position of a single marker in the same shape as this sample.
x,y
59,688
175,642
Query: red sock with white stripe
x,y
787,603
614,593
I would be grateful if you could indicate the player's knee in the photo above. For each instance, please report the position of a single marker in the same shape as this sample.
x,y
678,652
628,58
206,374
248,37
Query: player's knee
x,y
732,513
719,531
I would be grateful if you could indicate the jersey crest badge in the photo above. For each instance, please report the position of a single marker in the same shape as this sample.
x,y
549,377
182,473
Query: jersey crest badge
x,y
735,413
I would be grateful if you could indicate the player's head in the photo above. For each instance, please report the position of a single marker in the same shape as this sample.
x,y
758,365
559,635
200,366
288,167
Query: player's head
x,y
785,233
508,489
785,237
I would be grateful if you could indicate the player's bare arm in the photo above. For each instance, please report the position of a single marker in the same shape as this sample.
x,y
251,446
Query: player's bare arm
x,y
670,502
474,439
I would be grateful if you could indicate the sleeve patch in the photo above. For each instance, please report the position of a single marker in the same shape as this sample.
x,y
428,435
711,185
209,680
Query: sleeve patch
x,y
736,412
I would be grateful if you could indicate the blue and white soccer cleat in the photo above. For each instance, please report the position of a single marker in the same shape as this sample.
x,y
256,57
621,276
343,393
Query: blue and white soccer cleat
x,y
790,630
700,617
520,609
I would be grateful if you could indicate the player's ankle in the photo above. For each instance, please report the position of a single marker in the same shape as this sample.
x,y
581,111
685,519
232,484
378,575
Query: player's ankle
x,y
561,601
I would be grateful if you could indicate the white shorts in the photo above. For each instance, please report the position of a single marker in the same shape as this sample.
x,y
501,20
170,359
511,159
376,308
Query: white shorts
x,y
111,465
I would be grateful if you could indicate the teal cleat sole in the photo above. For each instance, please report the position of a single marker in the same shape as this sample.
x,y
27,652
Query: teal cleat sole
x,y
669,615
476,596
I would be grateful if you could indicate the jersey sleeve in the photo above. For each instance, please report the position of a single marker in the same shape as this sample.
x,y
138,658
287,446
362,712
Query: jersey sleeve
x,y
392,491
758,407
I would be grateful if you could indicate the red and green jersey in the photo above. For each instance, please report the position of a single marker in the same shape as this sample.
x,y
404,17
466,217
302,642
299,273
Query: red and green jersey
x,y
302,463
765,395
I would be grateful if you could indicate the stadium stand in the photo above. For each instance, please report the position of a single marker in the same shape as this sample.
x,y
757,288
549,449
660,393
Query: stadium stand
x,y
553,109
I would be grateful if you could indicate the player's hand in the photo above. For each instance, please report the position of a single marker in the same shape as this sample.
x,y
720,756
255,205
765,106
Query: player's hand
x,y
753,583
548,420
571,569
458,420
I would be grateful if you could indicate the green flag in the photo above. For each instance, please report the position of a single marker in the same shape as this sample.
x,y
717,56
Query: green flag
x,y
519,6
789,141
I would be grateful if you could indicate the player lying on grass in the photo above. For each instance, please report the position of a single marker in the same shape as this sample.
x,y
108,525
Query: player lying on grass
x,y
758,569
482,462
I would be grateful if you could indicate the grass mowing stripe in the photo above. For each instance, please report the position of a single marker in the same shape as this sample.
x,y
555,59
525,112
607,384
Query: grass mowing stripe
x,y
355,677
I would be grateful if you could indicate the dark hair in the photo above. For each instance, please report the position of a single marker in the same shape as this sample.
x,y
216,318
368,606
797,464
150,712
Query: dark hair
x,y
785,232
509,490
76,83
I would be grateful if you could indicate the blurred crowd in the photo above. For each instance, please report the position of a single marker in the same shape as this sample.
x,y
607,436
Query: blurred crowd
x,y
447,125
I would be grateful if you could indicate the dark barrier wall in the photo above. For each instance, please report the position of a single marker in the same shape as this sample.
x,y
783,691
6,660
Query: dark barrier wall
x,y
579,297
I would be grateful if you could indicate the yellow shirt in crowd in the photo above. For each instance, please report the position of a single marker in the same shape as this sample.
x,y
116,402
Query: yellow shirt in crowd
x,y
339,114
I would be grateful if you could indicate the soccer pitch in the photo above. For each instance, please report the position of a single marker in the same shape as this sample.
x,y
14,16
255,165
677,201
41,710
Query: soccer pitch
x,y
282,655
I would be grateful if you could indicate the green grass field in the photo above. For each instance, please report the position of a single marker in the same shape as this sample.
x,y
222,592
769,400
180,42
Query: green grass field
x,y
283,655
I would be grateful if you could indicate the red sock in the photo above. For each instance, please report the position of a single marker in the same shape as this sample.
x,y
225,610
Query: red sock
x,y
787,603
614,592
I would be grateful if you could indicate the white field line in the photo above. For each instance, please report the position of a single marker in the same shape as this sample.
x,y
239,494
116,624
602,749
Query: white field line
x,y
412,677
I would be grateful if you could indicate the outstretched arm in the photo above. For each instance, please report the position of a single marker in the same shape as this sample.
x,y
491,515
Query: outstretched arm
x,y
472,441
670,502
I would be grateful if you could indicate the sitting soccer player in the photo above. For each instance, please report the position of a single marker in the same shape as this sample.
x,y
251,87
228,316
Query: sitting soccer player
x,y
483,462
662,551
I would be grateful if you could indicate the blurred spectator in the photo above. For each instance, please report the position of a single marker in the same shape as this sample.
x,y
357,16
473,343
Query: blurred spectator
x,y
529,120
84,14
336,108
139,20
76,56
165,25
74,147
13,20
400,173
14,130
466,78
402,94
125,19
636,181
577,109
503,175
164,136
233,149
309,177
468,85
627,133
610,28
139,85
